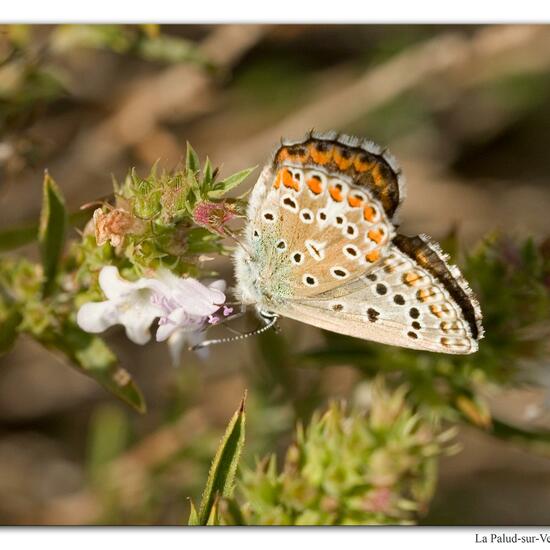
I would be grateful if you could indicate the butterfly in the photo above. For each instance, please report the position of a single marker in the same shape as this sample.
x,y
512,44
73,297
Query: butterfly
x,y
321,246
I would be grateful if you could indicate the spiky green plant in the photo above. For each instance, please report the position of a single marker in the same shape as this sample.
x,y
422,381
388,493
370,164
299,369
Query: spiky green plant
x,y
347,467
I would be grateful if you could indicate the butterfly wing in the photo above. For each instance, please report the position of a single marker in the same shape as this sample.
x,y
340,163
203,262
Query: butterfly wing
x,y
321,248
319,216
411,298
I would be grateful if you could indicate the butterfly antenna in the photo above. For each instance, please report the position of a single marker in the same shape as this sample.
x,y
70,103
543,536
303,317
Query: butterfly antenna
x,y
270,323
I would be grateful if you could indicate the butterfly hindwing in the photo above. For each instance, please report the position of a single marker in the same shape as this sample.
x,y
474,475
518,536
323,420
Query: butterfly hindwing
x,y
411,298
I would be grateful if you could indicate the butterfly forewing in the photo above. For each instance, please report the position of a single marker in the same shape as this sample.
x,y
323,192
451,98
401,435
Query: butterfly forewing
x,y
313,226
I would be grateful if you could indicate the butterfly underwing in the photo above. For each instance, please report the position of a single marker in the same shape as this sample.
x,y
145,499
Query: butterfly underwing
x,y
321,246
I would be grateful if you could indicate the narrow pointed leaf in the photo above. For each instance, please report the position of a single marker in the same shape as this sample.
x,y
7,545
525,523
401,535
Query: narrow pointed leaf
x,y
193,516
51,235
224,186
221,478
207,172
213,517
192,163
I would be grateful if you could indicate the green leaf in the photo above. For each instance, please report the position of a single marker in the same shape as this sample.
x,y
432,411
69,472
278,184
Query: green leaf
x,y
193,516
8,329
221,477
224,186
90,355
14,237
192,163
213,518
51,234
207,177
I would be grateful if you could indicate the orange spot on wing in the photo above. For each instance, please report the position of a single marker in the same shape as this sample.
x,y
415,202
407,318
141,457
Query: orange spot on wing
x,y
354,202
277,183
360,164
376,235
411,278
289,181
373,255
315,185
449,327
320,157
369,213
436,311
377,177
423,295
282,155
342,162
336,193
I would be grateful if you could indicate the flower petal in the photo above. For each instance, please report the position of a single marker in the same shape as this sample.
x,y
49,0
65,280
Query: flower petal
x,y
97,316
180,340
113,285
165,331
219,285
137,320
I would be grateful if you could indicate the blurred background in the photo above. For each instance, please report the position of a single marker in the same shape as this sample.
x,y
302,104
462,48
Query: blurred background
x,y
465,109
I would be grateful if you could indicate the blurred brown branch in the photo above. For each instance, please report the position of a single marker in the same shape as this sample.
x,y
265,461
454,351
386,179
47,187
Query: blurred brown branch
x,y
174,93
455,61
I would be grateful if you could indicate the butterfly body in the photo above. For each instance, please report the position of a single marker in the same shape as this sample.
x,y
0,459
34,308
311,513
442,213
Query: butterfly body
x,y
321,247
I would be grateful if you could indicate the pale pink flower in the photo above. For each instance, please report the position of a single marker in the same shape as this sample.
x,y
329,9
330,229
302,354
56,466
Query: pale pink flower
x,y
184,307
